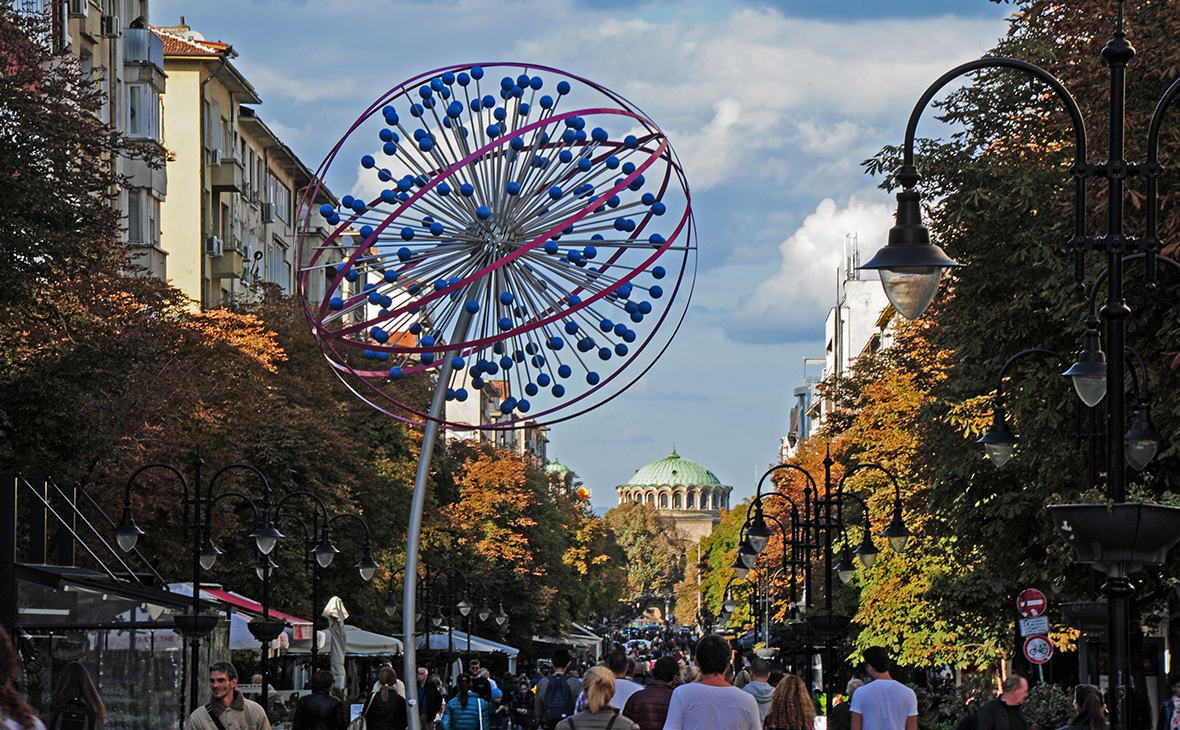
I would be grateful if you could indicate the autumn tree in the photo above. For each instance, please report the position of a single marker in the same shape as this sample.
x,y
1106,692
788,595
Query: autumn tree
x,y
655,553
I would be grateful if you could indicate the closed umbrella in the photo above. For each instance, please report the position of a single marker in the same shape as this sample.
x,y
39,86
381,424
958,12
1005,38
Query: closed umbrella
x,y
336,614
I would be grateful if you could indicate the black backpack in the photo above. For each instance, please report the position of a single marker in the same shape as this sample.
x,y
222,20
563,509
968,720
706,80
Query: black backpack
x,y
559,700
73,715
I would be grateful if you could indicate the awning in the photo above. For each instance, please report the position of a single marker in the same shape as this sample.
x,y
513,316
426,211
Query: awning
x,y
357,642
439,641
300,627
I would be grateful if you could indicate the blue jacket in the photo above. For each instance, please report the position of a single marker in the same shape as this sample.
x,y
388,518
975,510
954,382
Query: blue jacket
x,y
1166,709
475,717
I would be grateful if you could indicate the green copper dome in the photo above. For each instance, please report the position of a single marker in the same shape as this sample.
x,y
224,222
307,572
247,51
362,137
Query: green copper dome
x,y
556,467
674,471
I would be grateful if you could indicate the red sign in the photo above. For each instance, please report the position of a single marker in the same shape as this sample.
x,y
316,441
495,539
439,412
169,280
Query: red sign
x,y
1037,649
1031,603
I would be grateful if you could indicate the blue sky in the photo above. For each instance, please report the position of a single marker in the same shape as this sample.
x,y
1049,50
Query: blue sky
x,y
771,106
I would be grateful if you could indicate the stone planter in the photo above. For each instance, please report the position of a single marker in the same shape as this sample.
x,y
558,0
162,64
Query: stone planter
x,y
1118,539
266,631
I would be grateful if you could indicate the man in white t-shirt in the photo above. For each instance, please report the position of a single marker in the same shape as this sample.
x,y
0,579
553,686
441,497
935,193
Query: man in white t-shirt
x,y
884,703
712,703
617,663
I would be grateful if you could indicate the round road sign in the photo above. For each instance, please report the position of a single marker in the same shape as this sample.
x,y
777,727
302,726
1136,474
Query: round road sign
x,y
1037,649
1031,603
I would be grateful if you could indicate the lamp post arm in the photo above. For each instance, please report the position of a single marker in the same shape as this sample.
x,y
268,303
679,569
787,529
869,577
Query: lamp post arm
x,y
156,465
1126,260
908,175
304,493
1012,360
239,465
358,518
781,467
1145,392
1152,172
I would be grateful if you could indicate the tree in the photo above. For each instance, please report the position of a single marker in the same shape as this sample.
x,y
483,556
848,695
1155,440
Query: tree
x,y
655,557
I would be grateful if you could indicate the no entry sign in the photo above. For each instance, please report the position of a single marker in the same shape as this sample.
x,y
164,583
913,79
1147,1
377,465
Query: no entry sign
x,y
1031,603
1037,649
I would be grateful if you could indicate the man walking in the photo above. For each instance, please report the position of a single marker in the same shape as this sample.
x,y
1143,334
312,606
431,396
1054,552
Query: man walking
x,y
648,708
1003,713
759,685
555,696
228,710
619,664
712,703
884,703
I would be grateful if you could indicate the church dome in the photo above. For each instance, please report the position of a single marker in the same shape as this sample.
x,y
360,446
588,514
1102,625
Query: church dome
x,y
673,471
556,467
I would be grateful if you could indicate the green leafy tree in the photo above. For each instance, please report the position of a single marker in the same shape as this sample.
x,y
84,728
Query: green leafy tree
x,y
655,556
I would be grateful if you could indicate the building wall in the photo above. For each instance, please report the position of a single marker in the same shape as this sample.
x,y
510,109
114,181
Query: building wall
x,y
181,215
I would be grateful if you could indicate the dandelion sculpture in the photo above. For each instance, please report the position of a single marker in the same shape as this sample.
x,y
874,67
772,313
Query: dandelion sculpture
x,y
531,232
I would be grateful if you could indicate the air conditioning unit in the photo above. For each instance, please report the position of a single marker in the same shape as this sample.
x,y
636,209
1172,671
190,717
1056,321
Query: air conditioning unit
x,y
79,8
268,212
214,157
214,247
112,27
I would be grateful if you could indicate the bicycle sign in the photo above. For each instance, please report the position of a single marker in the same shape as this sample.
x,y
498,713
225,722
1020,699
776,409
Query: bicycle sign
x,y
1037,649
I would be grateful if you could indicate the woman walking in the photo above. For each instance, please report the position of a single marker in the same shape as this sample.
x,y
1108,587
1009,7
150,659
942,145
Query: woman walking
x,y
386,709
599,687
790,706
1089,709
466,710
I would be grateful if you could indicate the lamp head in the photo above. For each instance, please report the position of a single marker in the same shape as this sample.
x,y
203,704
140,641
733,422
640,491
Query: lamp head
x,y
390,605
910,266
127,533
1142,439
996,583
266,536
896,533
209,554
866,552
263,566
437,618
464,606
325,551
484,612
999,441
747,554
1089,372
367,566
758,533
501,617
845,567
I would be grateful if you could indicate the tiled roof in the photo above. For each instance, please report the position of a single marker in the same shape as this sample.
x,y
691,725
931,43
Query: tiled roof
x,y
175,45
674,471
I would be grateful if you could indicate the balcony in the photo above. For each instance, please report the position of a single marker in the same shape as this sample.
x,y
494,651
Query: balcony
x,y
229,266
141,45
227,177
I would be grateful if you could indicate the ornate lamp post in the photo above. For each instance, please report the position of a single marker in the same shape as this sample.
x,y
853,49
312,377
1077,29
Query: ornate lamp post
x,y
1124,539
196,626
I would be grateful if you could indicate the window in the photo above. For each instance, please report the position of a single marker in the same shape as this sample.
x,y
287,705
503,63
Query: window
x,y
714,501
143,112
651,499
663,501
677,501
143,218
280,198
692,500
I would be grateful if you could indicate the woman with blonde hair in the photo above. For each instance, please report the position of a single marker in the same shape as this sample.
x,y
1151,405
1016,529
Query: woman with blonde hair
x,y
790,706
599,687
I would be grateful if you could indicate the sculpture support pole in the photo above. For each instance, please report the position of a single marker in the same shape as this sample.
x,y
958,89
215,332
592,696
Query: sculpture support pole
x,y
414,534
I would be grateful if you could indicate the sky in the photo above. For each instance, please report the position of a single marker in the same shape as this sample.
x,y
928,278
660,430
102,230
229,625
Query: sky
x,y
771,106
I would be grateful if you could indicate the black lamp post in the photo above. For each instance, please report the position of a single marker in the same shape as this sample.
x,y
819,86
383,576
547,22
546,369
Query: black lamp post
x,y
911,267
823,513
196,626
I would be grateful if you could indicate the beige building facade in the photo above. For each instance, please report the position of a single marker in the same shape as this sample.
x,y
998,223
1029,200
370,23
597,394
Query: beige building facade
x,y
681,490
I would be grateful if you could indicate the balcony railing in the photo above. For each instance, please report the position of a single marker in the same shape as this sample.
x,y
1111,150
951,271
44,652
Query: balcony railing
x,y
141,45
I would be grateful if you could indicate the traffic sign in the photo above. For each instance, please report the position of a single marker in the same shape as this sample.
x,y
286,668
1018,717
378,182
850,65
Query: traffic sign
x,y
1037,626
1037,649
1031,603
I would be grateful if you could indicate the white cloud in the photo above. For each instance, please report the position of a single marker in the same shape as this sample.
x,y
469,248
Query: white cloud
x,y
793,301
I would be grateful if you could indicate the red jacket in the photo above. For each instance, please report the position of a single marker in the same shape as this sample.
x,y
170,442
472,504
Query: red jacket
x,y
648,707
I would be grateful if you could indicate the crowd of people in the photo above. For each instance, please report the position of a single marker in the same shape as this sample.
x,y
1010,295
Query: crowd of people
x,y
636,692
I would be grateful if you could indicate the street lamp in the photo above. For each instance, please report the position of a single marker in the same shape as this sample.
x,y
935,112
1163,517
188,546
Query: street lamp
x,y
195,626
908,248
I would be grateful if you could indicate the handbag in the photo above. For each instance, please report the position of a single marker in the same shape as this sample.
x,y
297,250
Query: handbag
x,y
359,723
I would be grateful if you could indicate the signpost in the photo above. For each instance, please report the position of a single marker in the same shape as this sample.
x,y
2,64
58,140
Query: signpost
x,y
1037,649
1031,603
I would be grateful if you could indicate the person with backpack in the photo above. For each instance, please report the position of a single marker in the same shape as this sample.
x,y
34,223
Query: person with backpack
x,y
556,694
76,703
598,688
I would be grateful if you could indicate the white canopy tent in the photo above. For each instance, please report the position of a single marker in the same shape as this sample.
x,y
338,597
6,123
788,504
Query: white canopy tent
x,y
480,645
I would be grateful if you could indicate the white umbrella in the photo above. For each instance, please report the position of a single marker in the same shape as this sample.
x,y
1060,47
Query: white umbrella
x,y
336,614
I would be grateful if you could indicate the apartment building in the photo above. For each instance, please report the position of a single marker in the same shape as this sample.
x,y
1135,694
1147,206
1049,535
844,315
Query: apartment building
x,y
113,45
233,214
482,408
